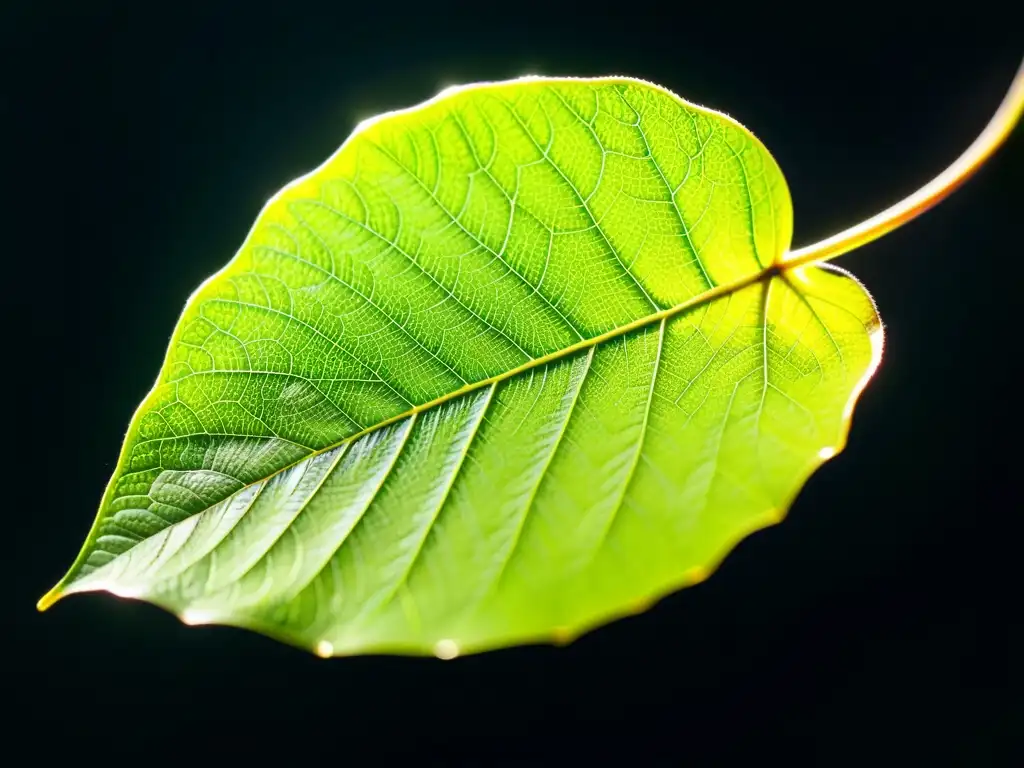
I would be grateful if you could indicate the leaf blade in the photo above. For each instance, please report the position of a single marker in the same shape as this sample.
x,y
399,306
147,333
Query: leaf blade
x,y
506,314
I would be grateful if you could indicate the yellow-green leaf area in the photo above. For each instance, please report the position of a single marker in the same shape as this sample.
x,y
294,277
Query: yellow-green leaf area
x,y
508,365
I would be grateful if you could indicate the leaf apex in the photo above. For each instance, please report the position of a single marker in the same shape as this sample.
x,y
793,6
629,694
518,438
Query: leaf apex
x,y
51,597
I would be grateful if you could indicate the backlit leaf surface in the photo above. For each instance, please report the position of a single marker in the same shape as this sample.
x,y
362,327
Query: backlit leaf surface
x,y
510,364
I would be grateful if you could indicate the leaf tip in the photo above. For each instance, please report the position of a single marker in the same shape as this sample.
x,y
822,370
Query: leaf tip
x,y
47,600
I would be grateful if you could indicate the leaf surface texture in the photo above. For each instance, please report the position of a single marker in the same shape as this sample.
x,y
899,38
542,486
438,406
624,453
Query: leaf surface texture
x,y
508,365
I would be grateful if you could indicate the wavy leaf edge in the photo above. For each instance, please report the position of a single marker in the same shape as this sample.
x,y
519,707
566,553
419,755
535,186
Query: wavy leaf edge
x,y
559,636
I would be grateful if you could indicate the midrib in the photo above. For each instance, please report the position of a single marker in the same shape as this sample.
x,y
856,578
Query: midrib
x,y
780,267
719,291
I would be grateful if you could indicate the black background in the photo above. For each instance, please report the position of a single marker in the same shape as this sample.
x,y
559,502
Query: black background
x,y
880,620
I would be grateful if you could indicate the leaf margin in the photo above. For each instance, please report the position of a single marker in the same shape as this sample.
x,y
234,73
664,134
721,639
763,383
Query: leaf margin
x,y
778,268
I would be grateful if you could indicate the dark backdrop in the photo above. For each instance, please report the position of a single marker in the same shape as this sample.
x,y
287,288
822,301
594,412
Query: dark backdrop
x,y
878,619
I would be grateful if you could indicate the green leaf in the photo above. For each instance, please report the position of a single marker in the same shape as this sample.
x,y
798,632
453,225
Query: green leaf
x,y
510,364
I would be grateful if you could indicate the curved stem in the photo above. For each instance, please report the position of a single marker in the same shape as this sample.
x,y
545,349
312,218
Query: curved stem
x,y
937,190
